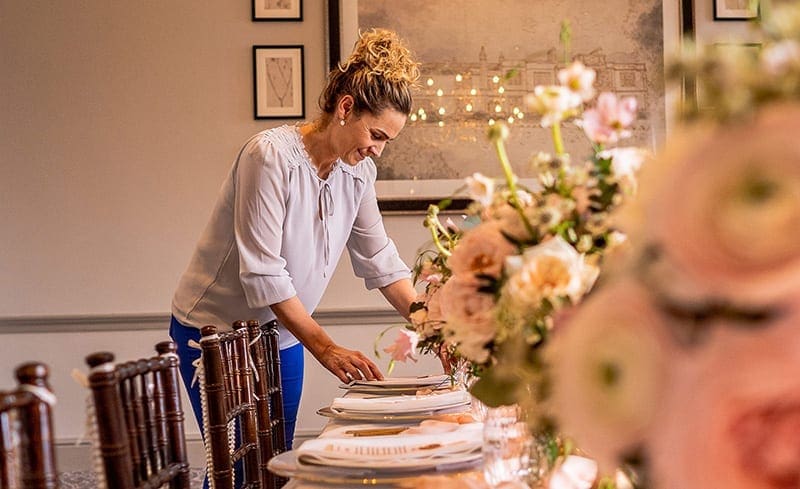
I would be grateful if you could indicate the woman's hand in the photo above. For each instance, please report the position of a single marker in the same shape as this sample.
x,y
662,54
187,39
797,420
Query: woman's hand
x,y
345,364
348,365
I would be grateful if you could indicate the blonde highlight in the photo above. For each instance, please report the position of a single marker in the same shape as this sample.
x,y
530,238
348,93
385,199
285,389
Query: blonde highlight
x,y
380,73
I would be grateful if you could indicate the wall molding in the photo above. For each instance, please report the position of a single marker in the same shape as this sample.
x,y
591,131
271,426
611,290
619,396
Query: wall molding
x,y
160,321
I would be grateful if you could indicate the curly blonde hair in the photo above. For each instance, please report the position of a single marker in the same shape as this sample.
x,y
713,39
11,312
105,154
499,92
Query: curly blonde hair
x,y
379,74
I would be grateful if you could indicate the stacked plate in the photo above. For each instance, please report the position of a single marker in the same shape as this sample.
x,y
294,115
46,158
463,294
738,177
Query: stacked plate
x,y
399,385
397,408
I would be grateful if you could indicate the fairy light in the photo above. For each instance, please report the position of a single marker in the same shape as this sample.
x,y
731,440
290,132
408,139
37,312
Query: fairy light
x,y
429,82
468,108
441,110
491,122
424,116
501,89
439,92
511,119
498,108
520,115
474,91
495,79
413,117
441,123
459,77
515,110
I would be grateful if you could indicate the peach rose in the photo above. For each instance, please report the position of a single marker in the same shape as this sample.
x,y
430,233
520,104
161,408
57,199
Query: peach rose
x,y
731,417
469,316
728,217
609,360
482,250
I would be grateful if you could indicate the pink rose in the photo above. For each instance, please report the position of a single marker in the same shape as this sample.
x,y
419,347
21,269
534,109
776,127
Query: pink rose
x,y
728,216
609,121
482,250
731,417
404,346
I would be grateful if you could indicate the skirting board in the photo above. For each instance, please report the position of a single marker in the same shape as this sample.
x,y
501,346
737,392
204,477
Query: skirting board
x,y
160,321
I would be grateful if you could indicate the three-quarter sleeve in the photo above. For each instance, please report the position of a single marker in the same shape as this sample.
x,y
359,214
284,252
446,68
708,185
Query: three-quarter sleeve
x,y
259,211
373,254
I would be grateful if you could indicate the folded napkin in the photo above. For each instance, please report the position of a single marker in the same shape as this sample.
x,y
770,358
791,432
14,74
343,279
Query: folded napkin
x,y
401,404
394,452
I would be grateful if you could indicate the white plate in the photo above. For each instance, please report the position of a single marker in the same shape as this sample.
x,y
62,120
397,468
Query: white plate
x,y
400,404
392,390
389,417
401,382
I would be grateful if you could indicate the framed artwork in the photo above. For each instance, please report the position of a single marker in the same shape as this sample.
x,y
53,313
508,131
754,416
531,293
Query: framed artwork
x,y
277,10
464,84
735,9
278,82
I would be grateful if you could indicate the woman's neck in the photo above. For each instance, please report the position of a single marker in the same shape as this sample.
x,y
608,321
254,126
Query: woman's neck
x,y
319,147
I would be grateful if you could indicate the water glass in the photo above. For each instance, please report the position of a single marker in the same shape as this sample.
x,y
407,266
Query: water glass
x,y
507,445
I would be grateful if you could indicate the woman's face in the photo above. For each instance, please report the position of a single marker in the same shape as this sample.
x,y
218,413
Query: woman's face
x,y
367,134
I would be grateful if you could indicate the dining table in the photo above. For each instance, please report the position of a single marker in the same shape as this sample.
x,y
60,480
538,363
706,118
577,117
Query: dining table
x,y
399,432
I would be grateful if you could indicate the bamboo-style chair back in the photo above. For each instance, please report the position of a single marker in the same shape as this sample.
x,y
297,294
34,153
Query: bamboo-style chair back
x,y
27,449
269,395
227,386
139,420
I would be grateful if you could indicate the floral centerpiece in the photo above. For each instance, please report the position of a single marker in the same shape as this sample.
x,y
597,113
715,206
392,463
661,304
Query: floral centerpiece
x,y
683,363
493,282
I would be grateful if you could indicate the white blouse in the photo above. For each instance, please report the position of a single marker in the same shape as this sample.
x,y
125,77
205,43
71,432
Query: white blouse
x,y
278,230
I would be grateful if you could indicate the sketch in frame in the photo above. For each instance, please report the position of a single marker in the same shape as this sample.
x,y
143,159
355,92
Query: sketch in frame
x,y
466,47
278,82
735,9
277,10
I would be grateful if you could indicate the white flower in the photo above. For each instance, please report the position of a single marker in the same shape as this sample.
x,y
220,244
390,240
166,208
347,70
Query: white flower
x,y
481,188
554,103
625,162
579,79
779,58
574,473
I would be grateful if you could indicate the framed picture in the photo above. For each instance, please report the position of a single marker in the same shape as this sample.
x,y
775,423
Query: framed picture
x,y
278,82
735,9
277,10
464,85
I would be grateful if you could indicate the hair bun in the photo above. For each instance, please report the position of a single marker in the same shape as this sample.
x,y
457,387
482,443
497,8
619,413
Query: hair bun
x,y
381,53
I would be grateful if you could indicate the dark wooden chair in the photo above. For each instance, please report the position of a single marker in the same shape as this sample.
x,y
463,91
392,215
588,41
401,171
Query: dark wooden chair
x,y
27,449
228,386
139,420
269,395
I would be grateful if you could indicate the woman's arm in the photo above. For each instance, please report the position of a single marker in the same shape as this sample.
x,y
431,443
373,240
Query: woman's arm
x,y
400,295
339,360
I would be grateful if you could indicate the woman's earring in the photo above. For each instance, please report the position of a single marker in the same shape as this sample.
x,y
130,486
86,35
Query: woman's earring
x,y
341,122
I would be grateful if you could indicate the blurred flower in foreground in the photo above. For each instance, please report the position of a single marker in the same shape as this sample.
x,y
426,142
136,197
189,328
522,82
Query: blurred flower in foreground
x,y
681,366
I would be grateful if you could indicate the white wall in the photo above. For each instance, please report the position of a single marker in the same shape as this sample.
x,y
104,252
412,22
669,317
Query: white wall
x,y
118,122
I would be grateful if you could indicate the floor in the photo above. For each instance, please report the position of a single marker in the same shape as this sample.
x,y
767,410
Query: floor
x,y
87,479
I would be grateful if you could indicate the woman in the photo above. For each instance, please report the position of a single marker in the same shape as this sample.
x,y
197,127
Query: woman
x,y
295,197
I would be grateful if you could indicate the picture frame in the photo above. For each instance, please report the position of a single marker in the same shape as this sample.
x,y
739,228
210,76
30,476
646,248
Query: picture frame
x,y
277,10
736,9
398,186
278,82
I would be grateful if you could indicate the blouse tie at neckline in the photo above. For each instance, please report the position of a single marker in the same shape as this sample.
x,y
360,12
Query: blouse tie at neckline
x,y
325,202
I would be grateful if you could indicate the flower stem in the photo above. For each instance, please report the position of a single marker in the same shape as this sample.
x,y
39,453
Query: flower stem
x,y
500,148
557,140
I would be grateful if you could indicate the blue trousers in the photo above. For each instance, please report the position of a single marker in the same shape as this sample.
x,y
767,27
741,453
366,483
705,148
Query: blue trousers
x,y
291,377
